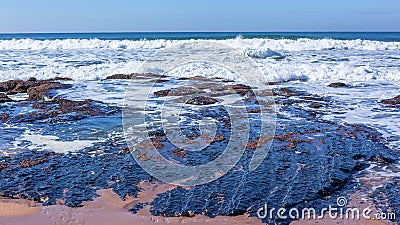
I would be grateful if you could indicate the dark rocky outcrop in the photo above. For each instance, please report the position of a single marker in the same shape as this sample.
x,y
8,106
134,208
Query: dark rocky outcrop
x,y
391,101
17,86
36,89
315,105
60,79
337,84
41,91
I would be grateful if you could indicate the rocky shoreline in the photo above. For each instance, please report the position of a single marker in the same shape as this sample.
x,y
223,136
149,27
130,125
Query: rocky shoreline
x,y
311,163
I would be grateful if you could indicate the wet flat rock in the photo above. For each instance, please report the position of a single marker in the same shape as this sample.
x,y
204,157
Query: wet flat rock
x,y
55,110
48,177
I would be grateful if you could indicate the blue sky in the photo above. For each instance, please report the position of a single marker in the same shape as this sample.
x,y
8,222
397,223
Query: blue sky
x,y
204,15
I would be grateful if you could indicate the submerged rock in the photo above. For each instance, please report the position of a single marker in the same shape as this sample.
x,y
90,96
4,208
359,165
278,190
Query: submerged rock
x,y
56,110
60,79
241,89
315,105
74,109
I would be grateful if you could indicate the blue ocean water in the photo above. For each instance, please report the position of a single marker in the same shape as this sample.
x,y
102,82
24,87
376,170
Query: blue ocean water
x,y
376,36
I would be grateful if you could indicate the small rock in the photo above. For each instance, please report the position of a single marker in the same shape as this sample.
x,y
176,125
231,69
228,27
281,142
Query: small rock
x,y
60,79
162,93
391,101
133,76
202,100
4,117
286,92
337,84
315,105
254,110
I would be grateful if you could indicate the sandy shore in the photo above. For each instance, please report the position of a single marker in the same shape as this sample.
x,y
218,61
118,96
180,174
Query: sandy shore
x,y
109,209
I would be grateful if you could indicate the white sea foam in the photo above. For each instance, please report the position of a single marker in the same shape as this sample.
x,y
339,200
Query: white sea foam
x,y
280,60
260,54
302,44
52,143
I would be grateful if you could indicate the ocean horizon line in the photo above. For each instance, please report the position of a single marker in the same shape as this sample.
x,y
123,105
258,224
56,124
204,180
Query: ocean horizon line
x,y
117,32
377,36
